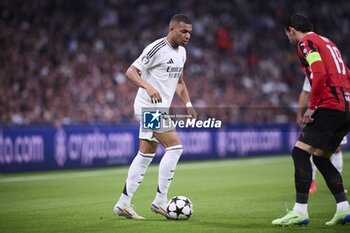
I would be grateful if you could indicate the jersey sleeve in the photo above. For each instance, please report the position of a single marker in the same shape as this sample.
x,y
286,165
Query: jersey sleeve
x,y
148,58
310,53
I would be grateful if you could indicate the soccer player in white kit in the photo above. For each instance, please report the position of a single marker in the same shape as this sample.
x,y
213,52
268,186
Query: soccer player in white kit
x,y
337,157
158,72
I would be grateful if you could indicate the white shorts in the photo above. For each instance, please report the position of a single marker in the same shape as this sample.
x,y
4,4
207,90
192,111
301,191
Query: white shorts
x,y
145,133
148,134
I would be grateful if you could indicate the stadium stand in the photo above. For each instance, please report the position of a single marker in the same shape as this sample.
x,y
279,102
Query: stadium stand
x,y
63,62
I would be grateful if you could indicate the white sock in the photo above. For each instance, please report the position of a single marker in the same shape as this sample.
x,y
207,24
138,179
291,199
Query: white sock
x,y
314,169
337,161
342,206
167,168
300,208
136,173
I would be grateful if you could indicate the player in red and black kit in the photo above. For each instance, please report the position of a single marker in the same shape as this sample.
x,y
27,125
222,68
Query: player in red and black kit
x,y
327,119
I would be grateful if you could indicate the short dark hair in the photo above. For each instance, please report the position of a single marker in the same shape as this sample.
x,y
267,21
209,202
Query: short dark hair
x,y
180,18
299,22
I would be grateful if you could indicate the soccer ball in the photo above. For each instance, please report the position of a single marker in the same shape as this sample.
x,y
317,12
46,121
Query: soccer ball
x,y
179,208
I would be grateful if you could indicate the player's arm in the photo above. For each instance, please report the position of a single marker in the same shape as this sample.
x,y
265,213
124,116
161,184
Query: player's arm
x,y
132,74
302,104
181,91
318,84
319,77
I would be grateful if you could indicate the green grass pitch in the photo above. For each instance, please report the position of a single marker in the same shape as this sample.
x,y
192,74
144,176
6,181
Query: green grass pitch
x,y
233,195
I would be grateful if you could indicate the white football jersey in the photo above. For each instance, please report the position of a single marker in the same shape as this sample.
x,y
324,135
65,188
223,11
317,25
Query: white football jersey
x,y
307,86
161,66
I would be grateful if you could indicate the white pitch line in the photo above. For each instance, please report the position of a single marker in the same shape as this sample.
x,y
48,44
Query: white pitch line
x,y
123,171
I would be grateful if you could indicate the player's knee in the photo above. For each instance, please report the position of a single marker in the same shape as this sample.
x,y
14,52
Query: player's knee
x,y
302,167
301,160
147,146
305,147
319,160
322,153
300,154
176,148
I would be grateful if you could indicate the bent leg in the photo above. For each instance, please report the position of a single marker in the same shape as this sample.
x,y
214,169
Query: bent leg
x,y
302,177
332,177
167,166
137,171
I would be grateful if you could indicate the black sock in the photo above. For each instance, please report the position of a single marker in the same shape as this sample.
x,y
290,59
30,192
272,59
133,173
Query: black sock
x,y
332,177
302,174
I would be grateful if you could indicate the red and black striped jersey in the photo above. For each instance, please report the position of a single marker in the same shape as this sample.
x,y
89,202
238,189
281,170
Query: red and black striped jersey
x,y
329,76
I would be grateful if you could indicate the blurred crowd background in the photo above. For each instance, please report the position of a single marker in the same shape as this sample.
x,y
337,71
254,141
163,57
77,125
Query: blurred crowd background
x,y
63,61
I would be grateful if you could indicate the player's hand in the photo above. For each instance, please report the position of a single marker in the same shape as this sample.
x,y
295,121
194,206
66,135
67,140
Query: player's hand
x,y
191,112
153,94
308,116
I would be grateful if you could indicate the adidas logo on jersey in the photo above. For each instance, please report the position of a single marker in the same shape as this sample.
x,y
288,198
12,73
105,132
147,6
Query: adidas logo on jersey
x,y
170,61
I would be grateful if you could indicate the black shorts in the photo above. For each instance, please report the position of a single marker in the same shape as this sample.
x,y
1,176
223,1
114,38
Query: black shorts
x,y
327,130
